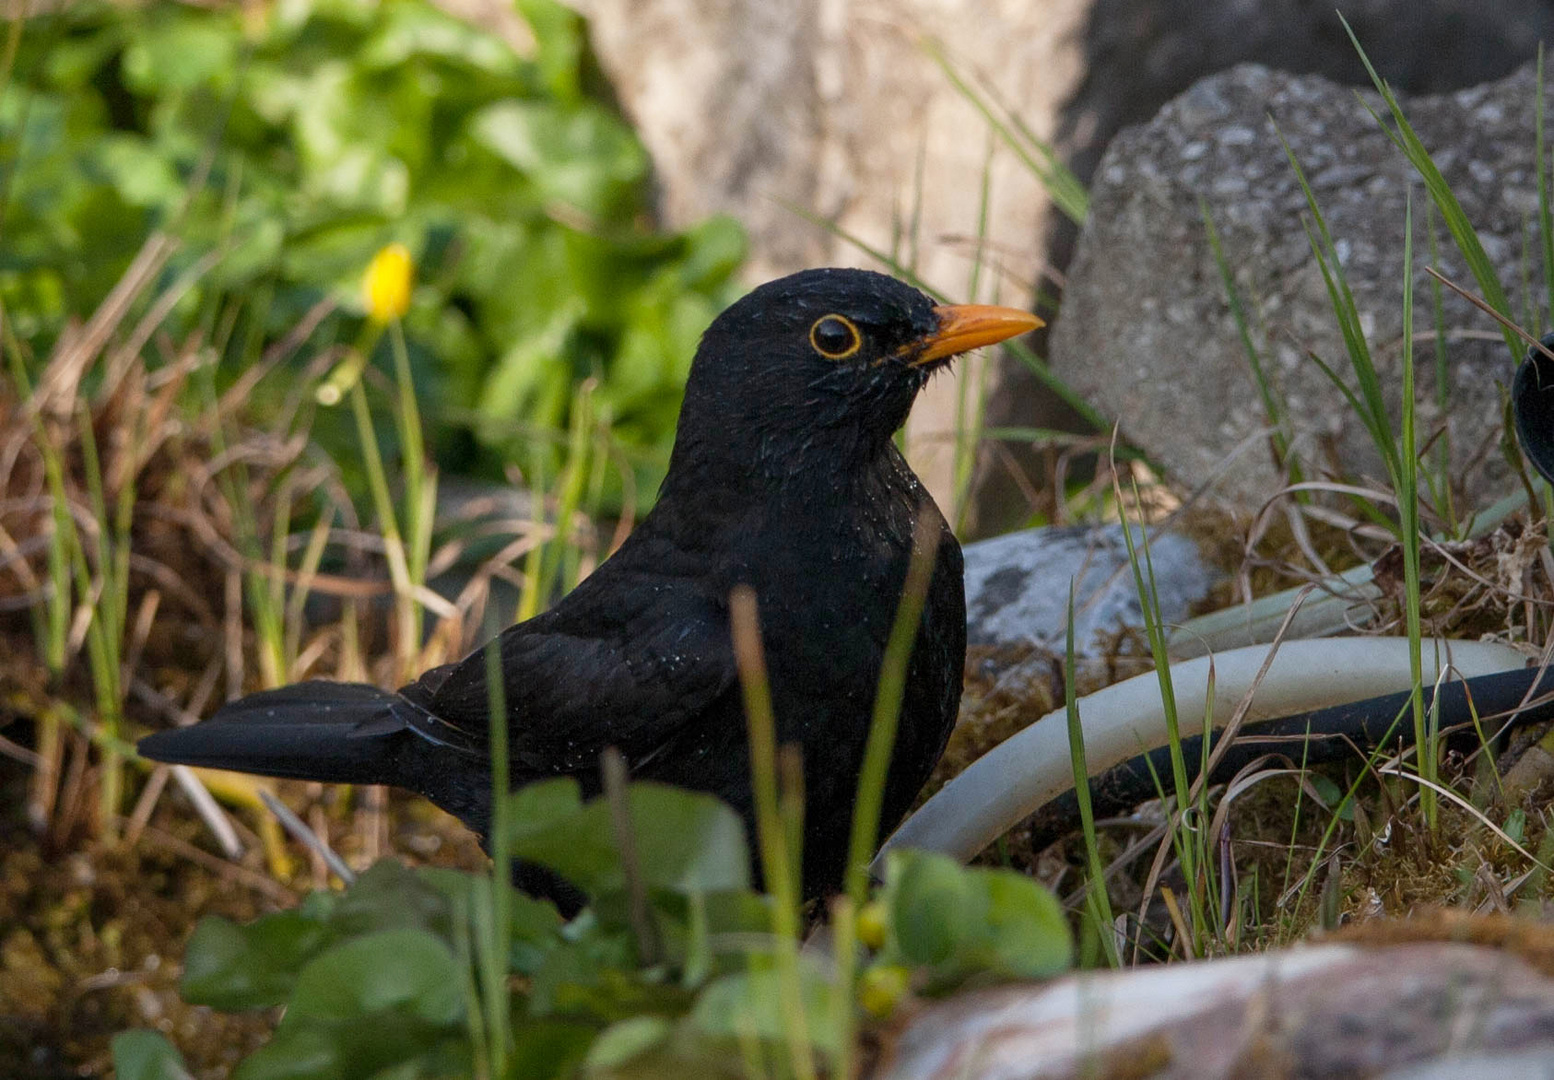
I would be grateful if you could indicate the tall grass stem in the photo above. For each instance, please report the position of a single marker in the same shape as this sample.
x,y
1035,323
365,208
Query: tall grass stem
x,y
781,874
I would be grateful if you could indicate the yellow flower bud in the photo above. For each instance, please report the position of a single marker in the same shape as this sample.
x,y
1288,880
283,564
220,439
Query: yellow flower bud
x,y
386,287
880,989
872,920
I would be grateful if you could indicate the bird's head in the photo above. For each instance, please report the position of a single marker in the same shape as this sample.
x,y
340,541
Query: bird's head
x,y
822,365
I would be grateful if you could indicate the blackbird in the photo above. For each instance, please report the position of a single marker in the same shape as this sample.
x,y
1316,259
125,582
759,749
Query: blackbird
x,y
784,477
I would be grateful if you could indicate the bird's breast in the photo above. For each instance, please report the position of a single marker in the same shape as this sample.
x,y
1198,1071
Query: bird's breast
x,y
828,580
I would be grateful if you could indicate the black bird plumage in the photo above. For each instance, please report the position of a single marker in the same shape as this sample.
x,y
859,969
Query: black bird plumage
x,y
784,478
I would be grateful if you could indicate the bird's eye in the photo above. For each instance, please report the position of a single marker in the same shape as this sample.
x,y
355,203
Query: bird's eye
x,y
835,337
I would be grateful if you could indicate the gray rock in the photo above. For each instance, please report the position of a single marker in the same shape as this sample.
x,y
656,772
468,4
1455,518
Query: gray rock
x,y
1017,586
1535,1064
834,108
1407,1010
1139,54
1147,333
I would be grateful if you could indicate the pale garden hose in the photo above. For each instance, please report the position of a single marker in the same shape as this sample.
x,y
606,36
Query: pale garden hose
x,y
1032,768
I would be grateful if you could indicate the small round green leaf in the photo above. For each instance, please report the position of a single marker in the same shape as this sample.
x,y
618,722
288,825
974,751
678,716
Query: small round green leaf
x,y
932,907
407,970
1026,931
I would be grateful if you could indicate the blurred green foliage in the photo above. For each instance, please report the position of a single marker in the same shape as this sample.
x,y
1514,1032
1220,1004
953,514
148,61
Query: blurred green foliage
x,y
380,980
324,129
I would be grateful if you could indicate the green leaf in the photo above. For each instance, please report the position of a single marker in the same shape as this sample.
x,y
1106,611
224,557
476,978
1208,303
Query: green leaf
x,y
539,808
535,924
662,330
233,967
550,1048
738,912
146,1055
1516,824
686,841
256,966
558,32
413,31
176,50
586,974
389,1045
747,1005
528,366
254,254
964,921
1326,790
388,896
405,970
931,905
72,61
338,125
141,175
581,156
626,1039
714,250
1026,935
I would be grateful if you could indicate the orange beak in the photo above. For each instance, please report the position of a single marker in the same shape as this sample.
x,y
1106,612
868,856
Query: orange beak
x,y
963,327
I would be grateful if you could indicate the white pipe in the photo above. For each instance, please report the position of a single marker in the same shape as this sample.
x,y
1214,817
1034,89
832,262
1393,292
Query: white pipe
x,y
1033,766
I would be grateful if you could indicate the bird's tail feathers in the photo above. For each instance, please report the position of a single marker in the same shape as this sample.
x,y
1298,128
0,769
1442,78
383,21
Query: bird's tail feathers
x,y
347,733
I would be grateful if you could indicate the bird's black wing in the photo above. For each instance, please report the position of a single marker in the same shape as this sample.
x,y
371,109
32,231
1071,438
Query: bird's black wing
x,y
626,660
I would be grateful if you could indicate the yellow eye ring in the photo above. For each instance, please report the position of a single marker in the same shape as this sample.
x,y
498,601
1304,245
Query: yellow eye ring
x,y
835,337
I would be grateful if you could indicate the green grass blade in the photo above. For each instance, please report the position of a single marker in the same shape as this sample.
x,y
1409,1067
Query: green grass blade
x,y
1053,382
1405,139
1154,632
570,487
1369,401
887,709
1041,158
781,873
412,449
494,944
970,398
1097,901
1273,407
1440,480
1408,525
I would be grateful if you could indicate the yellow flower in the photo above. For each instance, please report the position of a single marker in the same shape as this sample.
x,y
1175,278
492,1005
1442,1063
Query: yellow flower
x,y
386,287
